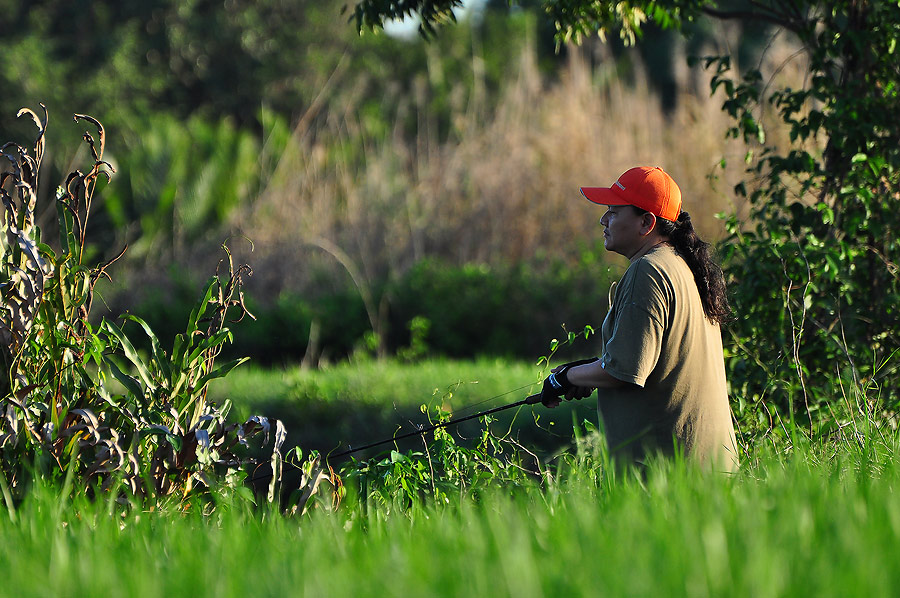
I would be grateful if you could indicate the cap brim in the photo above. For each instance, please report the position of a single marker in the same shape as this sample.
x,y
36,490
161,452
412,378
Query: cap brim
x,y
603,196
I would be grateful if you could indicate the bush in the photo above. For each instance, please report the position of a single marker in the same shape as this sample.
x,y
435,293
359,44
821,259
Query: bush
x,y
78,401
507,311
435,309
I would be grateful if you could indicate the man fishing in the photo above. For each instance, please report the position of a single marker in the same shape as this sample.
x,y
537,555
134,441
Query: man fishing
x,y
661,371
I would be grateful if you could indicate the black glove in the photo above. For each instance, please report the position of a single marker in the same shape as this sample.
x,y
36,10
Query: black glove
x,y
557,384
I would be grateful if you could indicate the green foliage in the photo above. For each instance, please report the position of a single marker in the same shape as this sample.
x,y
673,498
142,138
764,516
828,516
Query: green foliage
x,y
181,57
793,527
359,401
807,500
371,14
443,472
446,468
509,311
203,96
185,180
814,276
577,19
79,401
574,19
419,327
295,327
435,309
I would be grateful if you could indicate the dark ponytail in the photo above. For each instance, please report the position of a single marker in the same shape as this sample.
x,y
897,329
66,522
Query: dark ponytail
x,y
707,273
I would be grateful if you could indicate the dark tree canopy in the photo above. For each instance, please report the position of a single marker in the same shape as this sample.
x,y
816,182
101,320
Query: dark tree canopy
x,y
578,18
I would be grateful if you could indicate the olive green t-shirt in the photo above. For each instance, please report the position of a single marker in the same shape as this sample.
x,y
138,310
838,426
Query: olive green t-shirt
x,y
657,337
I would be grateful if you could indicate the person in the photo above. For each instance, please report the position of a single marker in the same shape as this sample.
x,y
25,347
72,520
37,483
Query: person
x,y
661,371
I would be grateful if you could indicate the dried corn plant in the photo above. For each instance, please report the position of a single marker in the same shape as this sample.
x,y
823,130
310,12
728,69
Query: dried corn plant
x,y
80,401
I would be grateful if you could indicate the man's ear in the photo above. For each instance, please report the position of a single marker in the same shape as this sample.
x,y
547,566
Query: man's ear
x,y
648,223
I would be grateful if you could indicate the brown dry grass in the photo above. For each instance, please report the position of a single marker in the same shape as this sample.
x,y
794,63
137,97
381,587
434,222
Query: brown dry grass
x,y
504,187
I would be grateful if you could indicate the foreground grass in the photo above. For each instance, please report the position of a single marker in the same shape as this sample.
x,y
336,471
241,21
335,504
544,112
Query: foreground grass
x,y
813,524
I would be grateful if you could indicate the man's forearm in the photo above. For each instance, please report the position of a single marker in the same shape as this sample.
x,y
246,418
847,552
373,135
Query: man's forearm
x,y
593,375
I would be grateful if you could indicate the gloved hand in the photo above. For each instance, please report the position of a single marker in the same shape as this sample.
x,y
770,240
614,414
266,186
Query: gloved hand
x,y
557,384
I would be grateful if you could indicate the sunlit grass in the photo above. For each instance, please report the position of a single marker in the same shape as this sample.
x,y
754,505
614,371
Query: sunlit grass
x,y
371,382
803,517
363,401
786,527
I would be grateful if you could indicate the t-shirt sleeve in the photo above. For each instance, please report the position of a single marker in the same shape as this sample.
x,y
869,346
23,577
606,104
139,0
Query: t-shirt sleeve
x,y
633,348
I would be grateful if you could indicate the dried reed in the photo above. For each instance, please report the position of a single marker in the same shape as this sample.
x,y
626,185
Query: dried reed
x,y
503,188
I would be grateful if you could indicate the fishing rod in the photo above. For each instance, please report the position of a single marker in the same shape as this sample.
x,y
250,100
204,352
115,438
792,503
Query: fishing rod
x,y
530,400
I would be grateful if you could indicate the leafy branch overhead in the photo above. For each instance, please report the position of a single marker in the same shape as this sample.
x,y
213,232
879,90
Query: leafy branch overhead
x,y
577,19
372,14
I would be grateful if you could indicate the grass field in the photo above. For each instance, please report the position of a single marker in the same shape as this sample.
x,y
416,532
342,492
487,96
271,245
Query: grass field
x,y
364,401
371,382
802,518
784,527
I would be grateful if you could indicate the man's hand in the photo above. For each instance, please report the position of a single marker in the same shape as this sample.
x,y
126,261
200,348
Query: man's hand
x,y
579,392
557,385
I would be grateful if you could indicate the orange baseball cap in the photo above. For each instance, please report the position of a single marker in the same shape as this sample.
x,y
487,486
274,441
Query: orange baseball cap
x,y
647,188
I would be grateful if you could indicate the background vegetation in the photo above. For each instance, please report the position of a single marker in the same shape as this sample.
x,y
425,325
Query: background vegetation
x,y
365,170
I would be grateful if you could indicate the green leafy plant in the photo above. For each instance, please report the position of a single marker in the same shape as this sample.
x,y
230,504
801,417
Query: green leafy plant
x,y
79,400
371,14
814,275
443,470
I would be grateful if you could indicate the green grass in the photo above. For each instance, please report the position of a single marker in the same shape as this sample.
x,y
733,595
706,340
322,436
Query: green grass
x,y
802,518
364,401
378,383
801,526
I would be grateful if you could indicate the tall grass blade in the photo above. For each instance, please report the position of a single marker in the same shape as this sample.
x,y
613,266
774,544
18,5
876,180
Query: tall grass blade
x,y
7,497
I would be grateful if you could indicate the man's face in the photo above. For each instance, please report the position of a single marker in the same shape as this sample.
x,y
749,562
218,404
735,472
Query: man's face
x,y
622,230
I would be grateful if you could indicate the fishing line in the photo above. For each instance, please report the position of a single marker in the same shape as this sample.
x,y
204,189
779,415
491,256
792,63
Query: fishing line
x,y
531,400
422,430
471,406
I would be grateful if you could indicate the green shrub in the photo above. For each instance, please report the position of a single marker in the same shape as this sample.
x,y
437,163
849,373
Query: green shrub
x,y
510,311
78,401
436,309
814,273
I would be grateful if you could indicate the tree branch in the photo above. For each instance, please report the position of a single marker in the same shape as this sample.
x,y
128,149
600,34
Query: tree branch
x,y
781,20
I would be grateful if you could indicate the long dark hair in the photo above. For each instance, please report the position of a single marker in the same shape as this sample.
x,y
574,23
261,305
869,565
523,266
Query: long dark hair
x,y
707,273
